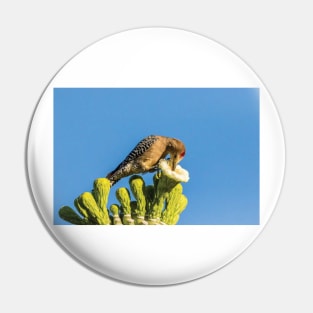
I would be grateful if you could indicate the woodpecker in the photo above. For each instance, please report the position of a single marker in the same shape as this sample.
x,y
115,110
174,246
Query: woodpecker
x,y
146,155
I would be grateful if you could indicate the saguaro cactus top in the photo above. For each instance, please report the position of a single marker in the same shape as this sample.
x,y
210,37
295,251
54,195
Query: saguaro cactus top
x,y
157,204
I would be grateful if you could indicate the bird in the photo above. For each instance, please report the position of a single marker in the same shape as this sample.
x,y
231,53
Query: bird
x,y
146,155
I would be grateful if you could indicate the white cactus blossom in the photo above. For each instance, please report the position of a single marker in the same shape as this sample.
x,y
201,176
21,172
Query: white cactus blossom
x,y
179,174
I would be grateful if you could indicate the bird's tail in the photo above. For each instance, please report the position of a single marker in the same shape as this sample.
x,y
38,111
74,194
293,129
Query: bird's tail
x,y
114,176
111,178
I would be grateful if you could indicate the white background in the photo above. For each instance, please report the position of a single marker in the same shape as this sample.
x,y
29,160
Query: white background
x,y
274,38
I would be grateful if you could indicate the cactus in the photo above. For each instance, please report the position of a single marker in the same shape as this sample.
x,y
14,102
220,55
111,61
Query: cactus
x,y
69,215
175,204
123,196
137,186
114,208
159,204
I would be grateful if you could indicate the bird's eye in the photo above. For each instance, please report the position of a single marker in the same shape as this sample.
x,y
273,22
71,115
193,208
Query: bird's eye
x,y
182,154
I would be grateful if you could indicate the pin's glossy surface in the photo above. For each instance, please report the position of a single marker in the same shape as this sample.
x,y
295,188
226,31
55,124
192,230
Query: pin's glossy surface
x,y
172,84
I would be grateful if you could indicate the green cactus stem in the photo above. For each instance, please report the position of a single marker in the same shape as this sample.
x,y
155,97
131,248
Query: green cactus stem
x,y
101,190
137,186
123,196
175,204
88,207
69,215
114,208
150,194
163,187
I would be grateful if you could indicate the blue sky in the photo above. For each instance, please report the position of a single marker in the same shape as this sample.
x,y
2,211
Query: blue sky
x,y
95,128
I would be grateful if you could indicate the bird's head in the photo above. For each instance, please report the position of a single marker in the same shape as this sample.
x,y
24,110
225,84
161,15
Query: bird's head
x,y
177,151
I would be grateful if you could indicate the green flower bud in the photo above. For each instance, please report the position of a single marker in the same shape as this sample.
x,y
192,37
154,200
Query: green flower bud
x,y
69,215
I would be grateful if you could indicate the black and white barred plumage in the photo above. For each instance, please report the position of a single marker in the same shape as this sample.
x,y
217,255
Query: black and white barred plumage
x,y
145,156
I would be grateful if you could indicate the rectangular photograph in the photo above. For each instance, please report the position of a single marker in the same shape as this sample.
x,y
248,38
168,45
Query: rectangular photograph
x,y
156,156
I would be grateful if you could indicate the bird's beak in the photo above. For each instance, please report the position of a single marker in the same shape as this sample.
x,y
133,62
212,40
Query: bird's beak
x,y
173,164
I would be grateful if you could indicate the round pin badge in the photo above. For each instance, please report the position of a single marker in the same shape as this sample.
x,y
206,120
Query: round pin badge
x,y
155,156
